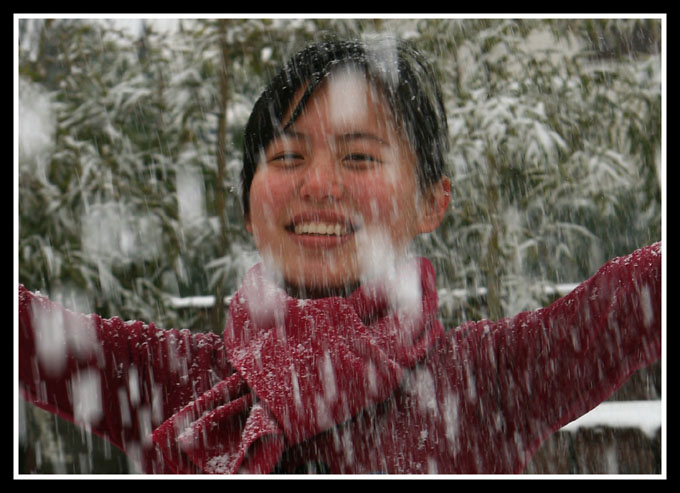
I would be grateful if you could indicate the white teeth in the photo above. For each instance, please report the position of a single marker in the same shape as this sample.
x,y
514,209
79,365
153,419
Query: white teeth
x,y
320,229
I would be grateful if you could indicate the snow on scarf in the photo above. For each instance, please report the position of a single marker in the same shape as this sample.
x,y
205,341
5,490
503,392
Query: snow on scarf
x,y
302,366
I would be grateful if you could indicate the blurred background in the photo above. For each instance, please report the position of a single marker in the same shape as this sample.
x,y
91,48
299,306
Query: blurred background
x,y
129,150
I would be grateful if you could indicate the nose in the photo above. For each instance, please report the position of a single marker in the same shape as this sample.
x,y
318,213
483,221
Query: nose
x,y
321,180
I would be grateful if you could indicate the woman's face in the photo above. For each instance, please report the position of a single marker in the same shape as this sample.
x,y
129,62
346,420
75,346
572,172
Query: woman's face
x,y
336,194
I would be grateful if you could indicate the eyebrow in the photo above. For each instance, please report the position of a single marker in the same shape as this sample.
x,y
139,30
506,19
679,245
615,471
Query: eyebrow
x,y
287,132
363,136
349,136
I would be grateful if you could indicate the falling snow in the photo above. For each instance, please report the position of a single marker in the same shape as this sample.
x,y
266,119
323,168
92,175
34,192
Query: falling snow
x,y
118,195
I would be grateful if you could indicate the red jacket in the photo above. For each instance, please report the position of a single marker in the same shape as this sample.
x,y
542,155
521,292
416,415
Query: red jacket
x,y
479,398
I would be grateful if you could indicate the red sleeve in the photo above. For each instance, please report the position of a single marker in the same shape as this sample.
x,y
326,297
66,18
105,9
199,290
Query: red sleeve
x,y
119,379
582,348
545,368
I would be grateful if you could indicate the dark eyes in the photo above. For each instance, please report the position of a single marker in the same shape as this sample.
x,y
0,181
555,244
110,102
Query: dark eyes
x,y
287,157
353,160
360,157
360,160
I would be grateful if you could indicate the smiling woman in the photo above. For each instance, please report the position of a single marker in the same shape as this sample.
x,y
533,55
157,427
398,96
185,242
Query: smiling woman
x,y
336,178
333,358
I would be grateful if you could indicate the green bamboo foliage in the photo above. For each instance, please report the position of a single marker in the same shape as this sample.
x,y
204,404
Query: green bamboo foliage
x,y
555,153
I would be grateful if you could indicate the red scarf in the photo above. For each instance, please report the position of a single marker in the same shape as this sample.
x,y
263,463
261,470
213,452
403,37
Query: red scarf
x,y
302,366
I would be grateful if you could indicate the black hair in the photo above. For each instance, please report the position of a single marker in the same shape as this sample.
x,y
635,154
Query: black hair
x,y
407,81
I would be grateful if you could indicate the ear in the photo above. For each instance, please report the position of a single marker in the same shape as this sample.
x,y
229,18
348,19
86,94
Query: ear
x,y
434,203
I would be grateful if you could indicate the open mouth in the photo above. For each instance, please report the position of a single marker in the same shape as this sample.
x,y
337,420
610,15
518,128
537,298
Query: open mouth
x,y
321,228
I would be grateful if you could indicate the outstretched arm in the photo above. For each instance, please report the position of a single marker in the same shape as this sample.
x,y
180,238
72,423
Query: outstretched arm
x,y
119,379
582,348
535,372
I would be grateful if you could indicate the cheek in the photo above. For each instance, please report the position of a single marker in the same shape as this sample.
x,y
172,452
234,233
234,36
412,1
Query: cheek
x,y
268,193
388,199
263,206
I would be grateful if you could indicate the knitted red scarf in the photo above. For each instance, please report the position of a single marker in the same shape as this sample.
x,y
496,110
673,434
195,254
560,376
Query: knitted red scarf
x,y
302,366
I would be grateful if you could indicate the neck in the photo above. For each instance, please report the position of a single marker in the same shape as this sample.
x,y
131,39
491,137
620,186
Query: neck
x,y
318,292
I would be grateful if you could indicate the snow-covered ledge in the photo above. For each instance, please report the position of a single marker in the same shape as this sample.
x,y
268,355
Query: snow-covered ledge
x,y
643,415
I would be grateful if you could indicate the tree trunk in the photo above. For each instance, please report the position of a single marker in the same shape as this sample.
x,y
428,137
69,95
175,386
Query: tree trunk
x,y
219,314
493,259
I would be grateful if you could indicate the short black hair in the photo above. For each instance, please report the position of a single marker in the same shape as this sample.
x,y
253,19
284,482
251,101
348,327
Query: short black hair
x,y
406,79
